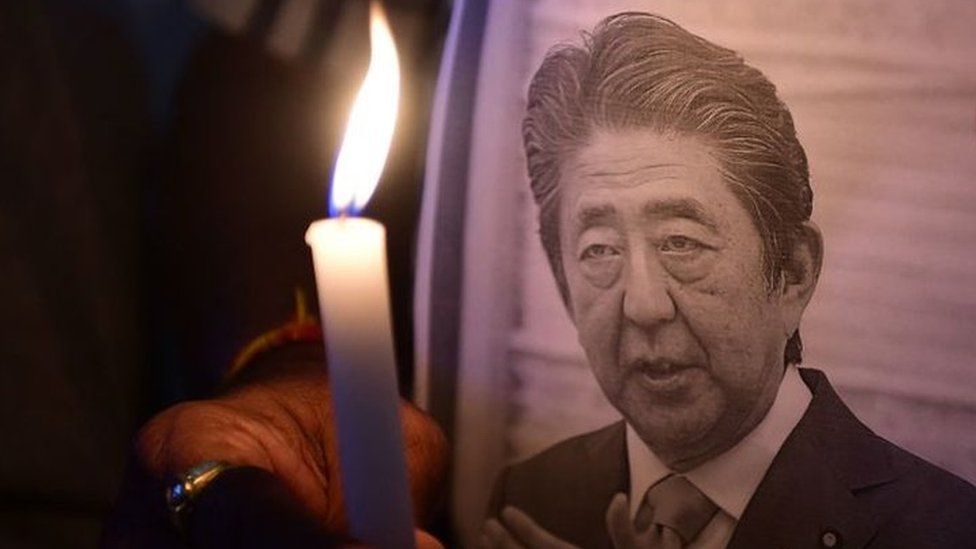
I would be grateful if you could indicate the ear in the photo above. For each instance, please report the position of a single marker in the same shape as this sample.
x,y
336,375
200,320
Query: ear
x,y
801,272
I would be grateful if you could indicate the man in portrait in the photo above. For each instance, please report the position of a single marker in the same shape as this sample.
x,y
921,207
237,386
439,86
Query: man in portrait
x,y
675,210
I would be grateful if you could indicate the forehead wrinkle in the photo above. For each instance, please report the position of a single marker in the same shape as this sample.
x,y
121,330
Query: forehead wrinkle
x,y
623,171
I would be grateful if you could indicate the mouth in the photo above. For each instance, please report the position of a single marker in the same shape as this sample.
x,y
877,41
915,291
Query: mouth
x,y
664,376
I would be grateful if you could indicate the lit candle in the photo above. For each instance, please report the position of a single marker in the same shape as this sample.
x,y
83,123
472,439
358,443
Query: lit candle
x,y
349,254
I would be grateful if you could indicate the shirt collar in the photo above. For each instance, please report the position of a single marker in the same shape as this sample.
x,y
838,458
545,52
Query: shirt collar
x,y
729,479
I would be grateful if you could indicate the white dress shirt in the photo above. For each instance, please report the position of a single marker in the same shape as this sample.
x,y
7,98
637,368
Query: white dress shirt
x,y
730,479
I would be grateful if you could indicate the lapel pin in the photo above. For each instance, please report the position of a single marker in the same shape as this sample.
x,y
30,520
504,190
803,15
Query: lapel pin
x,y
830,538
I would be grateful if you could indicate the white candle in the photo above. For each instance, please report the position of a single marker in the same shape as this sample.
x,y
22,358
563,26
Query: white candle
x,y
349,254
350,272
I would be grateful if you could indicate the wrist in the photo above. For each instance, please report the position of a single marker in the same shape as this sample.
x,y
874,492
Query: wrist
x,y
294,363
302,329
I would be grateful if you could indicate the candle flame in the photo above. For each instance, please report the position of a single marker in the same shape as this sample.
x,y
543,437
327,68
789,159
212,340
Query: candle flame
x,y
371,121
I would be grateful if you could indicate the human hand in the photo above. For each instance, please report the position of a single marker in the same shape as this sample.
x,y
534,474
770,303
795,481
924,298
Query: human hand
x,y
622,529
422,540
282,423
516,530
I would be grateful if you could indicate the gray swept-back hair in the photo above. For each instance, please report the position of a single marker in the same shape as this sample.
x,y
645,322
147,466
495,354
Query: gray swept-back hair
x,y
637,70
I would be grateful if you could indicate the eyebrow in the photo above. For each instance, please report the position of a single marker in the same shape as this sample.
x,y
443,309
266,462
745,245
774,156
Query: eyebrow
x,y
685,208
594,215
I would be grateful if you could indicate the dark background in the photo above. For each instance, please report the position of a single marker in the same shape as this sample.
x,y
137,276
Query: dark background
x,y
159,170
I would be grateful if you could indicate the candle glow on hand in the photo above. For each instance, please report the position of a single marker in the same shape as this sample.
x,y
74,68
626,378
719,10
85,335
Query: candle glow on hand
x,y
369,131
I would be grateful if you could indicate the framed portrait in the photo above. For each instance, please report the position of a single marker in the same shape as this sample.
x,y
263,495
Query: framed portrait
x,y
514,354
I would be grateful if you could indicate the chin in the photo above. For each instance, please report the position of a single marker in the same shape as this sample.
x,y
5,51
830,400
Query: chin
x,y
676,429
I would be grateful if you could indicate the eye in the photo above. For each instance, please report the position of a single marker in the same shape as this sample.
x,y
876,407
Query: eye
x,y
600,263
677,244
598,251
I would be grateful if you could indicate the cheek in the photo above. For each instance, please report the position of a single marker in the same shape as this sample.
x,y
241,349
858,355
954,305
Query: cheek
x,y
596,313
731,323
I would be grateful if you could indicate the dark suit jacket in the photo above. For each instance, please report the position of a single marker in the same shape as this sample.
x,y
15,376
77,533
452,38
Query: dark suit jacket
x,y
833,475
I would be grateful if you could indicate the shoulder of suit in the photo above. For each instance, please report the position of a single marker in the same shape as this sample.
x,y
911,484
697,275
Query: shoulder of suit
x,y
563,467
934,487
605,443
569,483
925,507
862,457
919,504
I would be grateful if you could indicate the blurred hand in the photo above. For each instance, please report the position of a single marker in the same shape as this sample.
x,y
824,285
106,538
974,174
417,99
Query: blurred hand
x,y
622,530
516,530
283,424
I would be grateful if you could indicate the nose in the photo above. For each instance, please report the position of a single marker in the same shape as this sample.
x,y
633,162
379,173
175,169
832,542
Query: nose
x,y
647,298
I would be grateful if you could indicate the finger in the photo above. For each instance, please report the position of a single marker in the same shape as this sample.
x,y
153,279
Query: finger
x,y
619,526
498,537
530,533
427,458
424,540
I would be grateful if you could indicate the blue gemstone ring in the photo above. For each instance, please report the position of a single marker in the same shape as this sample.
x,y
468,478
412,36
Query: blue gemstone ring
x,y
186,488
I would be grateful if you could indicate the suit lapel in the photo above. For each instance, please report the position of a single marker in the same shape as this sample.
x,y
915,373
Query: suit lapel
x,y
808,496
606,476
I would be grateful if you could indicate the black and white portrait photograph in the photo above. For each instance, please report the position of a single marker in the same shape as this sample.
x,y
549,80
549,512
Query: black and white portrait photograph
x,y
716,277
